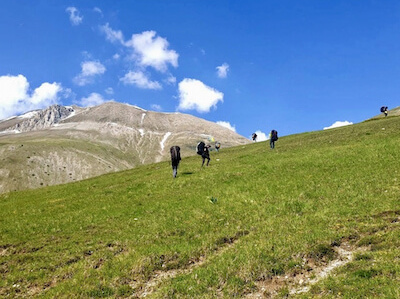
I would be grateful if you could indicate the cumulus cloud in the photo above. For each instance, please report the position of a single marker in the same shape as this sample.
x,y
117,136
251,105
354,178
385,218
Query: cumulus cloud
x,y
151,50
338,124
74,15
90,69
16,98
222,70
147,50
112,35
93,99
227,125
194,94
261,136
140,80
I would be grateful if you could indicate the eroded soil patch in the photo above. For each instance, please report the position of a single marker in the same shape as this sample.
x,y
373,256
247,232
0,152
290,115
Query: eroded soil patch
x,y
312,273
222,245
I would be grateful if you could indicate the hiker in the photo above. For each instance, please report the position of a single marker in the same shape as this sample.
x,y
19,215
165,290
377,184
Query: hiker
x,y
384,109
202,150
273,136
175,158
254,137
206,155
217,145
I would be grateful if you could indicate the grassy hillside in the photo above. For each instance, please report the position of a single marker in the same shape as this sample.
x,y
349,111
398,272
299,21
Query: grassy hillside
x,y
250,225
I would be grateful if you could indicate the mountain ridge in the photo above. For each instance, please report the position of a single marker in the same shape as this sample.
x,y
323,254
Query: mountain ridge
x,y
60,144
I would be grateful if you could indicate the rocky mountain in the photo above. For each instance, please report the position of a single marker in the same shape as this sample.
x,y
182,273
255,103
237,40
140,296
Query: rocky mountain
x,y
63,144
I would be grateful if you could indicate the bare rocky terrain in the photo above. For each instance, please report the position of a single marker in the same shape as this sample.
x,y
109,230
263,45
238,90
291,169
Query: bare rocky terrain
x,y
63,144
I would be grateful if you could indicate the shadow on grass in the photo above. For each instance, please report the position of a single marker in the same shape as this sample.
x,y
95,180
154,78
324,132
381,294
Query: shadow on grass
x,y
187,173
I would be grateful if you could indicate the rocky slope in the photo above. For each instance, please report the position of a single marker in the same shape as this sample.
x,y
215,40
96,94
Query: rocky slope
x,y
62,144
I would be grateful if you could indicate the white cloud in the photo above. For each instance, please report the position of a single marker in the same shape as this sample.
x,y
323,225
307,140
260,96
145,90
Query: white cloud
x,y
90,69
112,35
227,125
45,94
74,15
109,90
194,94
151,50
98,10
261,136
222,70
156,107
93,99
140,80
171,80
147,50
15,97
338,124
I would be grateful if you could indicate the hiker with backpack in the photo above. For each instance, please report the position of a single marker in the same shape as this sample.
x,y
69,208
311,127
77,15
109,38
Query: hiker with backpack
x,y
203,151
175,158
217,146
273,136
384,109
254,137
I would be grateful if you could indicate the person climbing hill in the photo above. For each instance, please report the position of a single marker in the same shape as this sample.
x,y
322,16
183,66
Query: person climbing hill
x,y
175,158
384,109
273,136
203,151
217,146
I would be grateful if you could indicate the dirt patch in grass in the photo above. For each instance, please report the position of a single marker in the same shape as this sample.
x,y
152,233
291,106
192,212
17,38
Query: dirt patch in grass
x,y
322,261
315,267
147,288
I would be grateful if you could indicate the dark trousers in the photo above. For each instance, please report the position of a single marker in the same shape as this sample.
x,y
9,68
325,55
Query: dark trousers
x,y
204,159
174,169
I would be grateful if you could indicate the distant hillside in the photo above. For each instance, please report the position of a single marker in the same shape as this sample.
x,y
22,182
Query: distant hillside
x,y
63,144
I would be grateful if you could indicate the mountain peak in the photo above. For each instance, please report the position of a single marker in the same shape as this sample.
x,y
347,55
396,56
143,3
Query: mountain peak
x,y
78,143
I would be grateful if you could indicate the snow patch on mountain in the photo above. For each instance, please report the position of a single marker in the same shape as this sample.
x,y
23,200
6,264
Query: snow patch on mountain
x,y
164,139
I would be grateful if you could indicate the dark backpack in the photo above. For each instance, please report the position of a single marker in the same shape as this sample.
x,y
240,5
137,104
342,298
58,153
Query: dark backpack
x,y
200,148
274,135
383,109
175,154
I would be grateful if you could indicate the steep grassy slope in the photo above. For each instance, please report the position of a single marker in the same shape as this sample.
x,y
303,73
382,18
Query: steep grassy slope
x,y
245,226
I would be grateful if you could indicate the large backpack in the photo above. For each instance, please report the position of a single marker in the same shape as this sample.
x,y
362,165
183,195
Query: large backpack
x,y
175,154
274,135
200,148
383,109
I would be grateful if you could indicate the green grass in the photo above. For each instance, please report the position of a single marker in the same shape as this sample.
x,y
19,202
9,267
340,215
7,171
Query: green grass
x,y
249,216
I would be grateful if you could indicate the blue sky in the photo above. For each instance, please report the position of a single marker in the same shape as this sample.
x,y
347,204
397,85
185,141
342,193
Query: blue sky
x,y
293,66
